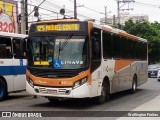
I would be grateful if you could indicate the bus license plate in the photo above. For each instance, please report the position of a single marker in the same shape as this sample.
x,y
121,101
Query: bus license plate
x,y
50,91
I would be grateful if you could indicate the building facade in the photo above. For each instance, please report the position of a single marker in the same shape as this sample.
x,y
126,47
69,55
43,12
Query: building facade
x,y
8,16
125,17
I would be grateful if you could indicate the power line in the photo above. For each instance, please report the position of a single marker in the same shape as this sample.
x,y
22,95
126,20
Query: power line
x,y
119,8
37,7
81,15
50,3
143,4
148,5
49,10
46,6
90,8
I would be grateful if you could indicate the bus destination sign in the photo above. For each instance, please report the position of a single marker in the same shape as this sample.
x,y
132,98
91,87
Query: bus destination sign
x,y
58,27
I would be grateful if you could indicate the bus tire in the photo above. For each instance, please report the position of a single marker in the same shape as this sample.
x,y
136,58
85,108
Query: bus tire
x,y
104,94
3,90
134,85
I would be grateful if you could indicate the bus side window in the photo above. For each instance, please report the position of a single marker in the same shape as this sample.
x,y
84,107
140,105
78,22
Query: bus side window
x,y
24,48
96,48
107,45
16,48
5,48
96,44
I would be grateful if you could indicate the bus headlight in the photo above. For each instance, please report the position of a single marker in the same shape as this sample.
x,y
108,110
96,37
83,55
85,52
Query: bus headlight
x,y
80,82
30,82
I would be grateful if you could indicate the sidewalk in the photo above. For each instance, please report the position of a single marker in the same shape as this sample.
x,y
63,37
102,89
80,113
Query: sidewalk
x,y
152,105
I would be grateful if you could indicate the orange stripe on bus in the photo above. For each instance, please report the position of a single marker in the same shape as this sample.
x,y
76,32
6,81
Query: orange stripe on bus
x,y
59,82
120,64
128,36
106,29
90,26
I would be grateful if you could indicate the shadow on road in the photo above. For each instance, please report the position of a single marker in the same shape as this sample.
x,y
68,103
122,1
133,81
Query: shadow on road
x,y
125,93
69,104
86,103
16,95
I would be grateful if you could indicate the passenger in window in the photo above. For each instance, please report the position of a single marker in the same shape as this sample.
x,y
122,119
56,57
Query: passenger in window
x,y
16,49
8,53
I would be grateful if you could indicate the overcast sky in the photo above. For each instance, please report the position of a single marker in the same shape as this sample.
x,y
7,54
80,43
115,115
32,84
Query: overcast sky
x,y
141,7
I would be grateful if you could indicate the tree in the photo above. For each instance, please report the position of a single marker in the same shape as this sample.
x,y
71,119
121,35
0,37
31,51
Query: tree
x,y
149,31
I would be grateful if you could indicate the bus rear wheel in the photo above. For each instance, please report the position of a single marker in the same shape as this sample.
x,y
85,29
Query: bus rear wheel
x,y
3,90
134,85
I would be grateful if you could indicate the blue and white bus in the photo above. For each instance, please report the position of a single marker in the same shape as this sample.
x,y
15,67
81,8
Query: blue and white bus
x,y
12,63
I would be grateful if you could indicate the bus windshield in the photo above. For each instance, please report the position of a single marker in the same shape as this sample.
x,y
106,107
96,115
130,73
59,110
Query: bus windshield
x,y
58,52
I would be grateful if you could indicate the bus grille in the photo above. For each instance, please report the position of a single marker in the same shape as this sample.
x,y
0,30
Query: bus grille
x,y
53,75
54,91
45,73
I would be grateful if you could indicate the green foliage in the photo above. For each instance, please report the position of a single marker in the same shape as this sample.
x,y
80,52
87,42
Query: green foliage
x,y
114,26
149,31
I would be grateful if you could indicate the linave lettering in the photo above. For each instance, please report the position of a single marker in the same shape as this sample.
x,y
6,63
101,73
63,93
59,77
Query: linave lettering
x,y
71,62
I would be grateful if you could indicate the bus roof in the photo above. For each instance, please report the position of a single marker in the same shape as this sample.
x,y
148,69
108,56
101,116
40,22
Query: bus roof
x,y
103,27
13,35
58,20
119,32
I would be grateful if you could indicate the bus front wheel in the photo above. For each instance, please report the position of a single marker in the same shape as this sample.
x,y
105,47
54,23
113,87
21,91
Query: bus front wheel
x,y
104,94
3,90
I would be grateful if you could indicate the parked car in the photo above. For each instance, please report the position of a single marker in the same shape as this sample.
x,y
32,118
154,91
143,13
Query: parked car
x,y
153,70
158,75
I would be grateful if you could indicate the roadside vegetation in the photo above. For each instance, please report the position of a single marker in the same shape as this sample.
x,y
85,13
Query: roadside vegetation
x,y
149,31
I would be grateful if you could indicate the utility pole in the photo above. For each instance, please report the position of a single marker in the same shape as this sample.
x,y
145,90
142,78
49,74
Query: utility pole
x,y
23,20
105,14
118,12
114,20
75,9
26,15
119,8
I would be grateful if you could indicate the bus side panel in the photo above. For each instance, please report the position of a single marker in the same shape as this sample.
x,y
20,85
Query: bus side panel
x,y
96,82
9,80
123,71
144,73
5,71
124,78
19,77
141,69
108,71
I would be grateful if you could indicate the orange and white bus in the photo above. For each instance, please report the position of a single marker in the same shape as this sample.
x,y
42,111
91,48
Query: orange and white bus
x,y
80,59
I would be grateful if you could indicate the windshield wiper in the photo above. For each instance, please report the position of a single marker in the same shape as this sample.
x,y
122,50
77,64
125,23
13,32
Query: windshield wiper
x,y
62,45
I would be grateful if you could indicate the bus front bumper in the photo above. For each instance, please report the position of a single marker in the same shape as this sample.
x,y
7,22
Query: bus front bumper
x,y
82,91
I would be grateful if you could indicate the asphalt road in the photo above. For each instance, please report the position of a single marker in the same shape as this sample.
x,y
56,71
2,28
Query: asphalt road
x,y
122,101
